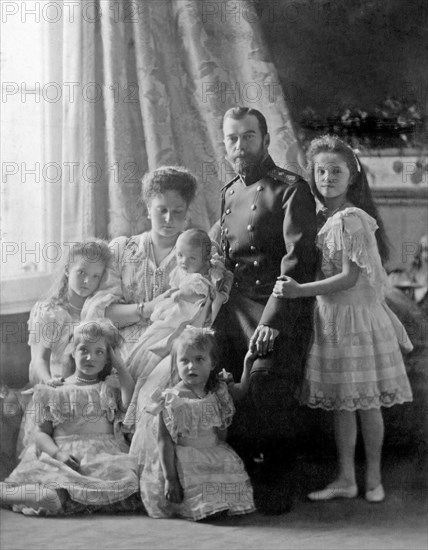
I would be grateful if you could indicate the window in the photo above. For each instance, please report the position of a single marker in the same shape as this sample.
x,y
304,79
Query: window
x,y
25,256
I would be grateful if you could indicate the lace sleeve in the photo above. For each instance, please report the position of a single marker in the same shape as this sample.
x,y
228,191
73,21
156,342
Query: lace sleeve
x,y
359,242
48,405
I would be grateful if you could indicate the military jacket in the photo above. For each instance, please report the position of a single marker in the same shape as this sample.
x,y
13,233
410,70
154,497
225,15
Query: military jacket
x,y
268,228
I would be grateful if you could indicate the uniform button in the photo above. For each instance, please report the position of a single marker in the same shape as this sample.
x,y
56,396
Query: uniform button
x,y
236,285
253,207
260,188
231,192
236,265
256,263
258,282
228,211
253,248
250,227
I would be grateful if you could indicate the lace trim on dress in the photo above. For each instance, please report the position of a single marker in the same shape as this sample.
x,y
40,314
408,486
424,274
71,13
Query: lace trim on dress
x,y
358,402
186,417
68,402
353,230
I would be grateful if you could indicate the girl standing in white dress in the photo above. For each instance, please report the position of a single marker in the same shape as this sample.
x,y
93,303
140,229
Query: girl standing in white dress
x,y
354,363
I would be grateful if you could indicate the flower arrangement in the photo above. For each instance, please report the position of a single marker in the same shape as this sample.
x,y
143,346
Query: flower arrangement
x,y
391,124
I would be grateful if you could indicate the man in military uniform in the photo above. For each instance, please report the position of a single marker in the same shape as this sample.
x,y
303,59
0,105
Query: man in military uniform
x,y
267,229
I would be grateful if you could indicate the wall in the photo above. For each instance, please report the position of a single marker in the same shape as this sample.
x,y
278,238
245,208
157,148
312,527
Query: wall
x,y
331,54
14,352
406,220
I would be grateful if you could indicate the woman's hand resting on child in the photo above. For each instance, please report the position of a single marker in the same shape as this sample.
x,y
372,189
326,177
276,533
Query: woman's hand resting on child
x,y
150,306
286,287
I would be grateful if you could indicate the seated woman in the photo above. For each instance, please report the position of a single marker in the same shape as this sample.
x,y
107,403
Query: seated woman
x,y
142,264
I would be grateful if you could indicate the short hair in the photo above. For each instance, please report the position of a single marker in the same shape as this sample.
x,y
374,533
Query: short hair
x,y
237,113
95,329
198,237
203,339
92,331
169,178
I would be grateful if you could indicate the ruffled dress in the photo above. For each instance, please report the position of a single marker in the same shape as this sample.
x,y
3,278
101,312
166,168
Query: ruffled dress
x,y
211,474
355,361
50,325
107,474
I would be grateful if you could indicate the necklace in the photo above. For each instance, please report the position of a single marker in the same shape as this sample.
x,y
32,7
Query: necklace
x,y
193,391
86,381
153,281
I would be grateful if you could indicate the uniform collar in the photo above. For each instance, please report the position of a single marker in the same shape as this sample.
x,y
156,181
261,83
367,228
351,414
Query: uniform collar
x,y
260,173
267,165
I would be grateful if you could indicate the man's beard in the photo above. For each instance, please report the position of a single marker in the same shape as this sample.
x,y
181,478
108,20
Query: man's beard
x,y
249,166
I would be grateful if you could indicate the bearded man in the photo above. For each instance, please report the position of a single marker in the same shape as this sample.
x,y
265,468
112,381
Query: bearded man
x,y
267,230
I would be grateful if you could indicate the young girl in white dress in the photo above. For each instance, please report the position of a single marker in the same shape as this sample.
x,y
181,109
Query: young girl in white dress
x,y
79,465
200,284
53,319
190,472
354,363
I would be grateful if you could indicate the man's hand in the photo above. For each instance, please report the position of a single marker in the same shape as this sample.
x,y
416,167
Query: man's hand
x,y
263,339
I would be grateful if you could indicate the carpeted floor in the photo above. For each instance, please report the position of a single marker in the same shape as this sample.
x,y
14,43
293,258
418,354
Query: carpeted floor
x,y
400,522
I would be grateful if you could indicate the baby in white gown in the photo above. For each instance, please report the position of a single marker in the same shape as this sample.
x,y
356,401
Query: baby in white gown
x,y
200,284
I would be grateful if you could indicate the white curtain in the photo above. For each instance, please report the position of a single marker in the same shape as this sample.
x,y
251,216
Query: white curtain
x,y
151,82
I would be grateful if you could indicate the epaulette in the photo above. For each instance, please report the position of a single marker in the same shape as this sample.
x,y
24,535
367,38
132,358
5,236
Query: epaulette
x,y
229,183
284,176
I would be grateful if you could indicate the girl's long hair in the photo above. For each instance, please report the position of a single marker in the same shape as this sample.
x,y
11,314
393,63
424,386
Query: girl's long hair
x,y
92,250
358,191
203,339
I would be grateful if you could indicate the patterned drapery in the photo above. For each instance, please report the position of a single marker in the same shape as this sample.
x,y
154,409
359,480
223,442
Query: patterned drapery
x,y
154,80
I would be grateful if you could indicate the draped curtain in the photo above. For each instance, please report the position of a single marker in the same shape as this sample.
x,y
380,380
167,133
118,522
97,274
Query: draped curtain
x,y
148,84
